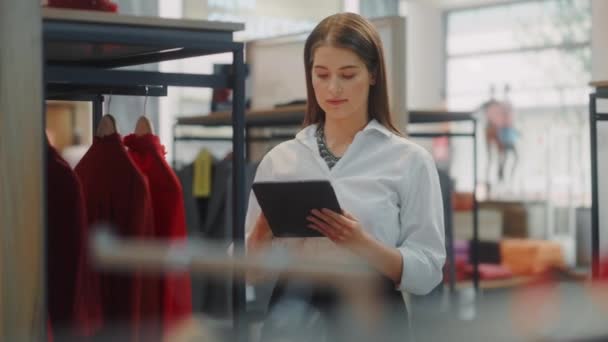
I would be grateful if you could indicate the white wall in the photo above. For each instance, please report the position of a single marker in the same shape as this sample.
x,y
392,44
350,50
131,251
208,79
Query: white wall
x,y
424,54
599,48
599,40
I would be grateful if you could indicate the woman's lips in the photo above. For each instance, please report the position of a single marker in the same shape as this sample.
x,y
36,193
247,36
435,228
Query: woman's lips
x,y
336,102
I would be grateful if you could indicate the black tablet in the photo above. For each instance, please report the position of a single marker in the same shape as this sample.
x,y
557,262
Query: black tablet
x,y
287,204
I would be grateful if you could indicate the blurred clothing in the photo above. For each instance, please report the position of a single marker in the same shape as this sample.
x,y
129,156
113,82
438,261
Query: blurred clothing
x,y
67,260
169,220
117,193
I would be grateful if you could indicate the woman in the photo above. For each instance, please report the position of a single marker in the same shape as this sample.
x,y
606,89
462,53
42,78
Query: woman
x,y
387,185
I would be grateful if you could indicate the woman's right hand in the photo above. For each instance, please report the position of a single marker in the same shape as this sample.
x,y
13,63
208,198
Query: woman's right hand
x,y
260,237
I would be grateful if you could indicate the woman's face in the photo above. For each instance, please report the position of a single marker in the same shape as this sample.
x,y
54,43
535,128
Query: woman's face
x,y
341,83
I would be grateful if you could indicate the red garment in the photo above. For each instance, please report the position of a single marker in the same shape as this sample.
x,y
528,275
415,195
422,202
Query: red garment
x,y
49,331
169,218
67,262
604,269
97,5
490,271
117,193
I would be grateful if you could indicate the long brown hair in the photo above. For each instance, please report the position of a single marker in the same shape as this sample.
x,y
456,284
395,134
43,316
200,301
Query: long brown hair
x,y
355,33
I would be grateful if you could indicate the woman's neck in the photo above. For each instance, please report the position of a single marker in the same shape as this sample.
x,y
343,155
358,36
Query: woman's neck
x,y
340,133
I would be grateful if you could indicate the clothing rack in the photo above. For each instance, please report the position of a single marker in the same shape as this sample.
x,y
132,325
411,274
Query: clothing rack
x,y
293,116
601,92
84,52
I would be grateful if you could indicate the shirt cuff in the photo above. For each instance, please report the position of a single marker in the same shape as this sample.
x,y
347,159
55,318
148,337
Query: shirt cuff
x,y
418,275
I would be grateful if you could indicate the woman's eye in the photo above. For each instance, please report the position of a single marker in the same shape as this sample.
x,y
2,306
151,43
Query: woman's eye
x,y
322,76
348,77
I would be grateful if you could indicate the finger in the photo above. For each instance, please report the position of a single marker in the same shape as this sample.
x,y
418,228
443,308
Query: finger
x,y
335,233
319,229
348,215
326,217
321,223
338,218
324,232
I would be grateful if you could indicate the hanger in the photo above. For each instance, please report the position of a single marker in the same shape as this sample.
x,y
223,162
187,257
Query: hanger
x,y
143,125
107,124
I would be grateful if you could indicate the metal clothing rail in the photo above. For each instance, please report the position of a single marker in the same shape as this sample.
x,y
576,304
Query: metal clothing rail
x,y
293,117
601,92
83,51
208,257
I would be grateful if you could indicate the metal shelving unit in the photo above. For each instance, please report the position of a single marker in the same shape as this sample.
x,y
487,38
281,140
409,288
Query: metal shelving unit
x,y
85,54
601,92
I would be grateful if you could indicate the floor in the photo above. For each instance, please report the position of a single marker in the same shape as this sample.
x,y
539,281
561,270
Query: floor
x,y
564,311
561,311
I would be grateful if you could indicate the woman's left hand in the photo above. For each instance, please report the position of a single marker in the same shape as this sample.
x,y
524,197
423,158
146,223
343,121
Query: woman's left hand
x,y
343,229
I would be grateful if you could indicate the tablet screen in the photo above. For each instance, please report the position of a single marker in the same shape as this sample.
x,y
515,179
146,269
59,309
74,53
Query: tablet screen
x,y
287,204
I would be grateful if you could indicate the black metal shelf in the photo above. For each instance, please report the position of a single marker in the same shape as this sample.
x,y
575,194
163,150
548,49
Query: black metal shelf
x,y
82,50
601,92
69,91
294,115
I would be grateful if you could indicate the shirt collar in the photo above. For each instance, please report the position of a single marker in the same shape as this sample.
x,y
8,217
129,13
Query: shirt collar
x,y
375,125
307,135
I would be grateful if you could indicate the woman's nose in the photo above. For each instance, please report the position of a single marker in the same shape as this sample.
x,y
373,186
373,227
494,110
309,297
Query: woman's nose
x,y
334,86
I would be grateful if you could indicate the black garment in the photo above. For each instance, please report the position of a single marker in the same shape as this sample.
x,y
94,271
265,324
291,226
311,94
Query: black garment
x,y
66,246
488,252
304,312
211,219
196,208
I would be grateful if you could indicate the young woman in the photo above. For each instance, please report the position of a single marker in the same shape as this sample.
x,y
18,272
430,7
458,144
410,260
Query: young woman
x,y
387,185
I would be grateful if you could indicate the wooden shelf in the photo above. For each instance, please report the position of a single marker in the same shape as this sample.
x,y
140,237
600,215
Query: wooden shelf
x,y
497,284
599,84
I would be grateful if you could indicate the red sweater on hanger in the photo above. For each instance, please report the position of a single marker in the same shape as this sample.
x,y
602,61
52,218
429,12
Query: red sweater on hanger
x,y
169,218
67,262
117,193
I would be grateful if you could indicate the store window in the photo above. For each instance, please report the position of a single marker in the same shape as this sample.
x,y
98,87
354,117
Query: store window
x,y
533,46
536,55
378,8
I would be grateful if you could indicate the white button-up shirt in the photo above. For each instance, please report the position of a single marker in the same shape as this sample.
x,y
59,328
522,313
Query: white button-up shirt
x,y
387,182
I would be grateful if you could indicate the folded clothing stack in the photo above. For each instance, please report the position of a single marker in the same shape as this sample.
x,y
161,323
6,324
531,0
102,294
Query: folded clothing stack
x,y
490,266
526,257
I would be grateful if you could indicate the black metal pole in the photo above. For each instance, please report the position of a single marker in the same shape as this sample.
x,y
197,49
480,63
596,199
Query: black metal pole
x,y
45,197
238,188
475,212
595,233
449,235
248,144
97,111
174,148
